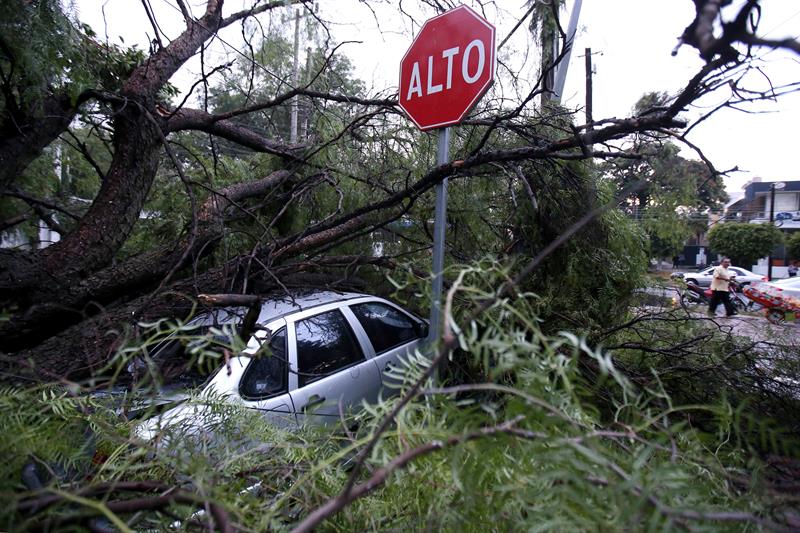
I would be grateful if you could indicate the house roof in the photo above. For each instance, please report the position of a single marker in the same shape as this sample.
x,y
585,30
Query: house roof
x,y
753,189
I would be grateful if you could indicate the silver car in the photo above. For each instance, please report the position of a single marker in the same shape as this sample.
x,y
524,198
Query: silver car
x,y
325,351
785,287
703,277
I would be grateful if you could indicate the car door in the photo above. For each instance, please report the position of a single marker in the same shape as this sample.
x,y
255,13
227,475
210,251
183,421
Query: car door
x,y
705,277
393,335
329,373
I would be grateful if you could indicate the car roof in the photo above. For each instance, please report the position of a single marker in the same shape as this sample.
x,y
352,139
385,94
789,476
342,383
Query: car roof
x,y
278,305
749,272
274,306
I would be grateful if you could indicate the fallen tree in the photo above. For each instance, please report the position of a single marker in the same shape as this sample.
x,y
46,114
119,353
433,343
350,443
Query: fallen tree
x,y
355,174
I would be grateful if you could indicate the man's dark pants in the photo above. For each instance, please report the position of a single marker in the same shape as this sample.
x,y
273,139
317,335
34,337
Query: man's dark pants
x,y
725,298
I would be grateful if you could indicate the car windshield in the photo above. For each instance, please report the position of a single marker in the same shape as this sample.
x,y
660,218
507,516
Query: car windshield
x,y
189,356
189,361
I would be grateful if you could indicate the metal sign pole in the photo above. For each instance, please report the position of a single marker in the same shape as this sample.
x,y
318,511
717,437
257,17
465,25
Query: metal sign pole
x,y
439,225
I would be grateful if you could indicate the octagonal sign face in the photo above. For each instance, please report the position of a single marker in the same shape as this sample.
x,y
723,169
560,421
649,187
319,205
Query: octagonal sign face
x,y
447,68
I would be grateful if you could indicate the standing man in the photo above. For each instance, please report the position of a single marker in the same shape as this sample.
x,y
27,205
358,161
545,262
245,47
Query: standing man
x,y
720,287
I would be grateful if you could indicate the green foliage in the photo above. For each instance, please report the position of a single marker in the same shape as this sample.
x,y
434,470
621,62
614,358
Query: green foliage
x,y
667,229
793,245
43,50
39,45
670,195
49,427
512,212
744,243
588,279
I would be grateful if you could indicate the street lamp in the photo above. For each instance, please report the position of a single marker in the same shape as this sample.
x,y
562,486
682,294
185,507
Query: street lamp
x,y
772,187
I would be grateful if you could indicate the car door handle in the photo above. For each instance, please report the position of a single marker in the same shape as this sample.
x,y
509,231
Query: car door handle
x,y
314,399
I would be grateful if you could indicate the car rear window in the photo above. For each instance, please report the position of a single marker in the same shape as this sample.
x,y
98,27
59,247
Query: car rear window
x,y
386,327
325,344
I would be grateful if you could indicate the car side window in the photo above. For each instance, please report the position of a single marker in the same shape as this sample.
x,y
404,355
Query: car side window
x,y
386,327
737,272
267,374
325,344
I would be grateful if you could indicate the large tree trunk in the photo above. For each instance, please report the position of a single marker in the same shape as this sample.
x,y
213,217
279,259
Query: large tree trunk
x,y
72,299
49,291
111,218
36,282
50,287
87,348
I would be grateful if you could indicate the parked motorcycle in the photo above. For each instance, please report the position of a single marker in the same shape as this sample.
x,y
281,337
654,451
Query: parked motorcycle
x,y
696,295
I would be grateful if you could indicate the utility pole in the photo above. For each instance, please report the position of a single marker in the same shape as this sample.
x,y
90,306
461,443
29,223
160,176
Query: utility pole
x,y
772,187
305,107
295,79
591,191
588,61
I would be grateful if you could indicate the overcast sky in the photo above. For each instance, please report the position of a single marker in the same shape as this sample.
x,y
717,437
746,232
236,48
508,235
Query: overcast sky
x,y
631,41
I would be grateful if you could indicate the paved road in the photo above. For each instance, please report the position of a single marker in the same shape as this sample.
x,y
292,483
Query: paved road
x,y
757,327
748,324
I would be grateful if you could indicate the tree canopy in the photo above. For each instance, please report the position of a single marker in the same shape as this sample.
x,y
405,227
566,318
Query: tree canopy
x,y
793,246
670,191
744,243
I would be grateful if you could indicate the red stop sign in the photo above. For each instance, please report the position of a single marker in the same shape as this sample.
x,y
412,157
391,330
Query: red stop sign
x,y
447,68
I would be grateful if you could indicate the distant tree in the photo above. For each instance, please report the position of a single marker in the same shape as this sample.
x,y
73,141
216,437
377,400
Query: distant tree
x,y
669,178
671,192
744,243
793,246
667,232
